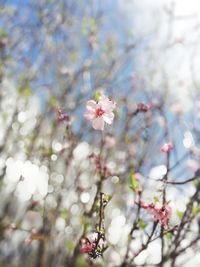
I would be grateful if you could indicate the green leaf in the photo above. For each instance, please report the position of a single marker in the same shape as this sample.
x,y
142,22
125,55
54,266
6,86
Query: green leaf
x,y
168,236
132,188
196,182
134,182
53,101
179,214
97,95
195,210
142,224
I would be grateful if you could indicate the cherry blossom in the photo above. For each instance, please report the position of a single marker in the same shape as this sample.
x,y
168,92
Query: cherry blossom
x,y
91,243
86,248
87,243
100,112
161,213
167,147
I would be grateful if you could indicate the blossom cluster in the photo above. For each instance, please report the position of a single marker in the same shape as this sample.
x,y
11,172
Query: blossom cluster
x,y
94,244
161,213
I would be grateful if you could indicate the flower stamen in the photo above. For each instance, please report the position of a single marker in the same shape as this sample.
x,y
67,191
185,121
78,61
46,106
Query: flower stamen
x,y
99,112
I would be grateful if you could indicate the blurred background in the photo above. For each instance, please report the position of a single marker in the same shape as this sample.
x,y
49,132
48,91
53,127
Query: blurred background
x,y
61,53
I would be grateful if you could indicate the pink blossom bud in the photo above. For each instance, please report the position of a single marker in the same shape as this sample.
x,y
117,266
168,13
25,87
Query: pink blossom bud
x,y
62,117
167,147
86,249
143,107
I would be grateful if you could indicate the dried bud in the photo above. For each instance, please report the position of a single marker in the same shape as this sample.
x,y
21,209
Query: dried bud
x,y
141,107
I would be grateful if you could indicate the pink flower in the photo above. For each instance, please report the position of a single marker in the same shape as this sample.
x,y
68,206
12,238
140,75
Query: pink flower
x,y
161,213
62,117
100,112
90,243
167,147
86,248
143,107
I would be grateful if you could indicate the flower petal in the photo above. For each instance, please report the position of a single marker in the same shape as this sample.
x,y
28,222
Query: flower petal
x,y
89,115
108,117
107,104
91,105
86,249
98,123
